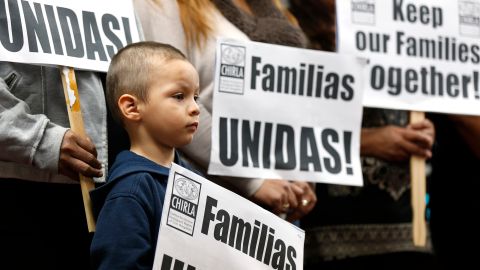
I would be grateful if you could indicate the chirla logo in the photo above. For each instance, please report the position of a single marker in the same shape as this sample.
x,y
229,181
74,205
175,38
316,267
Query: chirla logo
x,y
182,212
469,17
186,188
232,69
363,11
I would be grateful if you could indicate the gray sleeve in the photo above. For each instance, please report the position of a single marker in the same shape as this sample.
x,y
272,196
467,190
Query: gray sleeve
x,y
26,138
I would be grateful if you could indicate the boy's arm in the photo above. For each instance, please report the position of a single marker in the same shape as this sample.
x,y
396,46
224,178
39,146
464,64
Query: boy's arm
x,y
123,238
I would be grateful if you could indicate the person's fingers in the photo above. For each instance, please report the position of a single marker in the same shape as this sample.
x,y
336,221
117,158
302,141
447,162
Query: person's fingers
x,y
425,127
292,198
86,144
297,189
65,170
421,139
415,149
87,158
84,168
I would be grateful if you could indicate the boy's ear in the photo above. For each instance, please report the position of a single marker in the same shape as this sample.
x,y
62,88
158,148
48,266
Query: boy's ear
x,y
129,107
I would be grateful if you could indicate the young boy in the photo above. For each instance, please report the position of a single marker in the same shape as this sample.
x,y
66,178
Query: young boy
x,y
152,91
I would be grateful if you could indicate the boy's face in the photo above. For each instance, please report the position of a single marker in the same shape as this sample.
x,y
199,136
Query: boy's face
x,y
170,114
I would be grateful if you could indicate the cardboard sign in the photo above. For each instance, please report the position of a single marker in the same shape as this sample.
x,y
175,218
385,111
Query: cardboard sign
x,y
82,34
205,226
294,117
423,54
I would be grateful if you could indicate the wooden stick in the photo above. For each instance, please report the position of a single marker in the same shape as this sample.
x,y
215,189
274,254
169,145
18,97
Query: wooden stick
x,y
76,124
418,187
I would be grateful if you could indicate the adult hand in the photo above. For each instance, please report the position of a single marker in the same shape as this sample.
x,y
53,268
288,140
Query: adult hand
x,y
393,143
277,195
306,198
78,155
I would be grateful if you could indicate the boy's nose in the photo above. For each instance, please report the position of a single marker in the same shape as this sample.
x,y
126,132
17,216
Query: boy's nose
x,y
194,108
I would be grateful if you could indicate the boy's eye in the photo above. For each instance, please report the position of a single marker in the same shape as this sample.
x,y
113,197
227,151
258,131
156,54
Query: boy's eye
x,y
195,97
178,96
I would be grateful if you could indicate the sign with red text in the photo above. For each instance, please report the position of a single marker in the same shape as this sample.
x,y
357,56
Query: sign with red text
x,y
286,113
205,226
82,34
423,54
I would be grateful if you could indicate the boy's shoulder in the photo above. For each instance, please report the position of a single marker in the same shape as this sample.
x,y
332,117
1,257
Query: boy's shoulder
x,y
132,176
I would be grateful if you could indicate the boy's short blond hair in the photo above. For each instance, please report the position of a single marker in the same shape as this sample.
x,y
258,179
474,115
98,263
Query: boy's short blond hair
x,y
130,71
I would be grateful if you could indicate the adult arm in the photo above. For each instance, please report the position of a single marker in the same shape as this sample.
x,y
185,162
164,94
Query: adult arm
x,y
394,143
33,139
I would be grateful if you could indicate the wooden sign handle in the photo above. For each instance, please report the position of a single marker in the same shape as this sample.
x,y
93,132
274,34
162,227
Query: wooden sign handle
x,y
418,189
72,98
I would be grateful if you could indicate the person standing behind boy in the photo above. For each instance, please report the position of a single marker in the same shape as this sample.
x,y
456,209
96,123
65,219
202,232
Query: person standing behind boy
x,y
152,91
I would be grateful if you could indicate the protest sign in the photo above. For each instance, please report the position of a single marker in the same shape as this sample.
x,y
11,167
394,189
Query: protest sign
x,y
81,34
297,116
423,54
205,226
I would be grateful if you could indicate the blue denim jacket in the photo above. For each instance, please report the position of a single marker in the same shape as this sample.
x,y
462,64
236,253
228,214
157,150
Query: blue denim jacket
x,y
34,119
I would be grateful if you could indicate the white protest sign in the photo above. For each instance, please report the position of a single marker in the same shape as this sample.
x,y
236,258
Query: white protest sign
x,y
205,226
82,34
286,113
423,54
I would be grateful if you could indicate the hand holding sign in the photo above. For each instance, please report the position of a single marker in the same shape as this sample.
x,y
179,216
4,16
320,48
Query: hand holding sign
x,y
393,143
307,200
78,155
278,195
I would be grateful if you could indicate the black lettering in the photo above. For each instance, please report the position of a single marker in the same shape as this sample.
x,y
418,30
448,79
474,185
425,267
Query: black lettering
x,y
255,72
253,242
278,258
336,166
232,160
331,90
208,216
287,77
377,79
397,10
178,265
268,250
109,22
268,82
285,133
93,44
16,31
166,262
261,242
57,43
308,142
250,143
291,255
267,144
36,28
242,230
452,85
347,94
411,78
394,81
69,23
126,28
220,233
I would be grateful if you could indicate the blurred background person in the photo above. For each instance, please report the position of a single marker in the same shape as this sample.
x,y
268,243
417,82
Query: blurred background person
x,y
366,227
193,27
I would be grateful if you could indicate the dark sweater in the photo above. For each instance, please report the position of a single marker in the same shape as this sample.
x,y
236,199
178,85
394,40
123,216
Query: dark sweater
x,y
128,209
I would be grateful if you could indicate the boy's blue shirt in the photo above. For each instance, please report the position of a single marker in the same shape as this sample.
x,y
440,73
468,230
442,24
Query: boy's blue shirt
x,y
129,209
